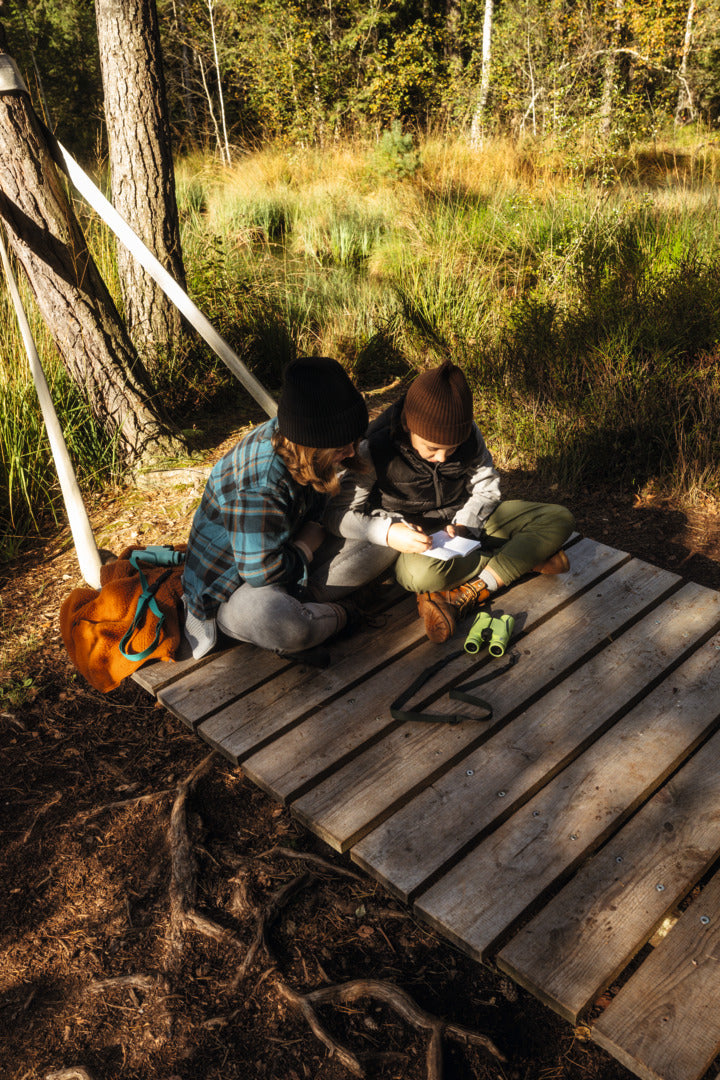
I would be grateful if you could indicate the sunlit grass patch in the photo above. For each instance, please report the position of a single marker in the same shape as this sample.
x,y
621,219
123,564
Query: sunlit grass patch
x,y
576,286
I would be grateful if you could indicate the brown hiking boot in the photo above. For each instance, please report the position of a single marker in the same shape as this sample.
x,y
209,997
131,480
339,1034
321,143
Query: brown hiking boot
x,y
440,611
556,564
438,616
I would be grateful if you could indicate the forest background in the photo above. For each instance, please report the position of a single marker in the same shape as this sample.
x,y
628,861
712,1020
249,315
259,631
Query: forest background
x,y
530,188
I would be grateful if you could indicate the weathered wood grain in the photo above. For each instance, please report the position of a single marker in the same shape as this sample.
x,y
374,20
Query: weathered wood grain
x,y
665,1022
578,944
231,675
234,674
417,839
245,725
481,897
343,807
332,735
157,675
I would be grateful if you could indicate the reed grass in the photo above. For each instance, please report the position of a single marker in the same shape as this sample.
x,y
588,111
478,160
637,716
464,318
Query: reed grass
x,y
577,289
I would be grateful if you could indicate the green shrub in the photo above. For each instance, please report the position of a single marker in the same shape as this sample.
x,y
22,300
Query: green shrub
x,y
396,154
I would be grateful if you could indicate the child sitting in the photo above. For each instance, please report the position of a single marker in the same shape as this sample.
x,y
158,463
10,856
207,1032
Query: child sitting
x,y
260,567
427,468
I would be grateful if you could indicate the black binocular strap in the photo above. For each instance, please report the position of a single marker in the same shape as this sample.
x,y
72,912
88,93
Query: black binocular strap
x,y
459,693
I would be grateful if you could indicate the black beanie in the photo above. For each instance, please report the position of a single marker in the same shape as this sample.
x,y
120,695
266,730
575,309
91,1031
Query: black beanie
x,y
319,406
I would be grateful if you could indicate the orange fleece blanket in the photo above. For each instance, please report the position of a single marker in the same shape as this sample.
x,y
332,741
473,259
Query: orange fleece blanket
x,y
93,622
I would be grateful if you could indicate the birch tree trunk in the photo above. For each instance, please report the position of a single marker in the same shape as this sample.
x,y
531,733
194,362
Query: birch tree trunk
x,y
684,102
46,238
476,128
610,72
141,166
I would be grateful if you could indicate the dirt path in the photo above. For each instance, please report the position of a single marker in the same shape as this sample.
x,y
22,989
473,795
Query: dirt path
x,y
88,859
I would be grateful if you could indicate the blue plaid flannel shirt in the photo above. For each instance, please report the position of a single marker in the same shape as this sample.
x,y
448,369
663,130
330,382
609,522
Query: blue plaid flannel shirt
x,y
243,529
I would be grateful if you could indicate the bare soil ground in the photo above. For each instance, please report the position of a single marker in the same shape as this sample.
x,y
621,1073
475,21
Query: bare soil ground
x,y
131,886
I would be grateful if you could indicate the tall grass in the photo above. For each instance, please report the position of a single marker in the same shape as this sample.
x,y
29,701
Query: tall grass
x,y
578,290
29,490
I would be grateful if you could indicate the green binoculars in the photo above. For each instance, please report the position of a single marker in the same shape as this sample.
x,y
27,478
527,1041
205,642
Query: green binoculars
x,y
495,633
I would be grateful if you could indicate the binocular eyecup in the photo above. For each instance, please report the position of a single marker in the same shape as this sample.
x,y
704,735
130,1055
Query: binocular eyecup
x,y
486,630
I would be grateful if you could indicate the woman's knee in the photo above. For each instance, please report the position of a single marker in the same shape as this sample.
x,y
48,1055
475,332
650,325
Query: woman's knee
x,y
267,616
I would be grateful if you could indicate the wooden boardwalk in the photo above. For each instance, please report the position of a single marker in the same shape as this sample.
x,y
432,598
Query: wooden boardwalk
x,y
552,840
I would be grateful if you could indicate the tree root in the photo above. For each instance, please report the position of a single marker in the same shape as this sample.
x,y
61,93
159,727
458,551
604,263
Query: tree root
x,y
396,999
265,917
183,914
318,860
84,816
43,810
76,1072
146,983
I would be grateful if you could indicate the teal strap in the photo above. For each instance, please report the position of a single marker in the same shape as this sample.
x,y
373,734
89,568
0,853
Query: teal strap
x,y
157,555
146,602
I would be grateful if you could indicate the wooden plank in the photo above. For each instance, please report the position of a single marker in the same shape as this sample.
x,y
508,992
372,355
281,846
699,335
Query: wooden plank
x,y
156,676
234,674
230,675
244,726
665,1022
479,899
345,806
333,734
159,674
420,837
589,932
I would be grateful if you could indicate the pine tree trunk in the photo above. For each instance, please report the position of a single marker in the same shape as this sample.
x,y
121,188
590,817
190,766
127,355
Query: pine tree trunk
x,y
141,166
46,238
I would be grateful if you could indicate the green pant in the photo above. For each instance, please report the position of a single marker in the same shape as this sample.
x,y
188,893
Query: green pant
x,y
517,536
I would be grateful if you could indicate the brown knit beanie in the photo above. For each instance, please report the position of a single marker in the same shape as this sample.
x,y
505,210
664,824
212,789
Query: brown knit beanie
x,y
439,406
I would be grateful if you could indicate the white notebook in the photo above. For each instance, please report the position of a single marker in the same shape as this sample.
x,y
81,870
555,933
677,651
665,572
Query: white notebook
x,y
449,547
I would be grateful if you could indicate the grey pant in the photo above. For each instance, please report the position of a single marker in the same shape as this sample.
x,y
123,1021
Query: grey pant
x,y
270,617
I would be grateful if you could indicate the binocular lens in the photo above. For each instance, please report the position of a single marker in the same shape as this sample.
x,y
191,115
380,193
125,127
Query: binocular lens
x,y
479,632
495,633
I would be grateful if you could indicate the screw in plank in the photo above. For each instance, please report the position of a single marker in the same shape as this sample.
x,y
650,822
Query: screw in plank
x,y
618,858
660,888
469,772
501,794
704,920
573,836
536,813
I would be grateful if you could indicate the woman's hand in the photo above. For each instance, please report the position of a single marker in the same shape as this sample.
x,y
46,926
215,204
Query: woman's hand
x,y
409,539
311,536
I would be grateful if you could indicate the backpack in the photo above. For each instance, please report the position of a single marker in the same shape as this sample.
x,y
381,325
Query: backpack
x,y
135,616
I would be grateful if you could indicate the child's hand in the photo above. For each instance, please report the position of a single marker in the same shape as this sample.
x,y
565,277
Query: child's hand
x,y
409,539
457,530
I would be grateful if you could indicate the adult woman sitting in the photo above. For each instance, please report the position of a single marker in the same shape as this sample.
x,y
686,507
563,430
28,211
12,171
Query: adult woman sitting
x,y
259,565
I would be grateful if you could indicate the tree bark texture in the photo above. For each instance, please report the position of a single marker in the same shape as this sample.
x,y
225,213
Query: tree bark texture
x,y
46,238
141,166
610,73
476,128
684,104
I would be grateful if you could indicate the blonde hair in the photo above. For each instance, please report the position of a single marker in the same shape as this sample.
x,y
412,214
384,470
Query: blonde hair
x,y
309,465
